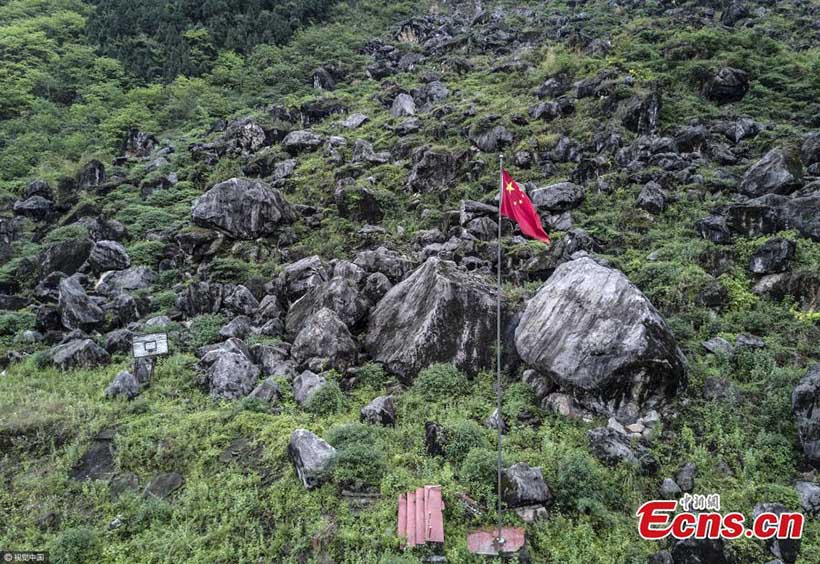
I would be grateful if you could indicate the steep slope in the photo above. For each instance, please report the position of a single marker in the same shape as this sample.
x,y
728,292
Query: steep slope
x,y
288,213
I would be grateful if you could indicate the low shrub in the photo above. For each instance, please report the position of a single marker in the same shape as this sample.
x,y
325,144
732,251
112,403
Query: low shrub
x,y
79,544
204,329
462,437
327,400
439,381
479,473
349,434
360,466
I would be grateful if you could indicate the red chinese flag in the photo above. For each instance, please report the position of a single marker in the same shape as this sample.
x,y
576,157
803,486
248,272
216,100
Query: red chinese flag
x,y
516,205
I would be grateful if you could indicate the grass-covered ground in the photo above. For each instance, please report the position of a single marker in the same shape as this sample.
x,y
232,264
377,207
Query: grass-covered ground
x,y
257,510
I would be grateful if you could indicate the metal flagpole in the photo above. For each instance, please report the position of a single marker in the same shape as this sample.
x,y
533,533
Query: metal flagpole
x,y
499,539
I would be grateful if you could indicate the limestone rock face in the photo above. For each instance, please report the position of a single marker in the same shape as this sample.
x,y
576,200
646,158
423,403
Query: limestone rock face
x,y
229,372
438,314
524,485
311,456
805,398
589,330
727,85
778,172
77,310
78,353
243,208
324,336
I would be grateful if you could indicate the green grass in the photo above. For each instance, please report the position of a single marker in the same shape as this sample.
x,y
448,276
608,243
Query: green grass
x,y
227,513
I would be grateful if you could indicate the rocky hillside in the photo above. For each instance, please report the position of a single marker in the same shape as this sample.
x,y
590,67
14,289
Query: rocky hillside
x,y
313,224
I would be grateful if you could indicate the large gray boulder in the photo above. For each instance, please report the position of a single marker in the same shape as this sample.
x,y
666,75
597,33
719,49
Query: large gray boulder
x,y
108,255
114,282
438,314
805,402
785,549
380,411
325,338
558,197
305,386
229,373
78,353
727,85
392,264
311,456
809,495
778,172
77,310
775,255
612,448
772,213
243,208
433,171
403,105
241,301
124,385
522,485
301,140
35,207
338,294
64,256
810,149
592,332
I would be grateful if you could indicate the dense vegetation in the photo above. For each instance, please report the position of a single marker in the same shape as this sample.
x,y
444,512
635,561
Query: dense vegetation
x,y
160,39
76,77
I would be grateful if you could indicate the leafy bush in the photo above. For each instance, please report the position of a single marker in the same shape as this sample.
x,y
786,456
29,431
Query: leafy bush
x,y
67,233
204,329
160,39
372,374
79,544
348,434
12,323
439,381
145,253
230,269
360,466
580,482
255,405
462,437
479,473
327,400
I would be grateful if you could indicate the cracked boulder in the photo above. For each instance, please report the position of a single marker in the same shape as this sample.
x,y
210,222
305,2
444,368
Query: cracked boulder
x,y
108,255
523,485
338,294
778,172
805,402
727,85
243,208
311,456
438,314
77,310
324,338
229,373
124,385
380,411
78,353
593,333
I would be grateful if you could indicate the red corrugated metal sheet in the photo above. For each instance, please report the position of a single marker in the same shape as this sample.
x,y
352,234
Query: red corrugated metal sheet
x,y
421,536
403,517
411,519
434,523
420,516
483,541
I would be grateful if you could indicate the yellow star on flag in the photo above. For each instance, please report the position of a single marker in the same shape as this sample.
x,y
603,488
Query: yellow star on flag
x,y
510,187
